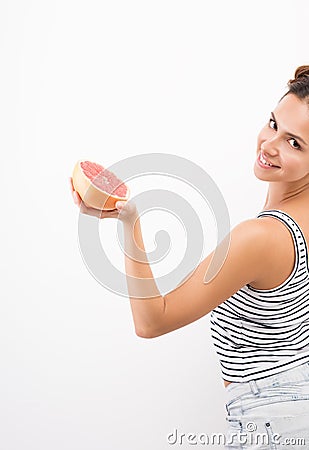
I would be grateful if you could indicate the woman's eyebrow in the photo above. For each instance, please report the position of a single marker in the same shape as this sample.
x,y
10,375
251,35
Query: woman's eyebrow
x,y
287,132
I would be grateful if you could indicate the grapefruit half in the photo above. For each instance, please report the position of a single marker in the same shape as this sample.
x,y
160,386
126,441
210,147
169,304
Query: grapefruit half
x,y
97,186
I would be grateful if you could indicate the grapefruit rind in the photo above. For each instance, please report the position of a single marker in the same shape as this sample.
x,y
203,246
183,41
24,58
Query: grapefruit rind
x,y
92,195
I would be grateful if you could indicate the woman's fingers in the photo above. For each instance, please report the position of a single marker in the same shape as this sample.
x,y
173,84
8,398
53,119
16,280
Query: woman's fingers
x,y
76,197
71,184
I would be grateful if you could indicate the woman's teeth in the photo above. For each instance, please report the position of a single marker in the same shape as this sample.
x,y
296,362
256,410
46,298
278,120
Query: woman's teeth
x,y
263,160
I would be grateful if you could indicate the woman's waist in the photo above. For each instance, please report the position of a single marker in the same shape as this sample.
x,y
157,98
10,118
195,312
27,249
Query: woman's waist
x,y
289,376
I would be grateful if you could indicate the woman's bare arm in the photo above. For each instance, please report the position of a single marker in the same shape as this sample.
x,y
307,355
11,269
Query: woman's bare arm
x,y
246,251
147,304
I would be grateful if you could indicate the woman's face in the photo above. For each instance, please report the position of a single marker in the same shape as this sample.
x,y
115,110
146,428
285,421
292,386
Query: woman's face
x,y
284,142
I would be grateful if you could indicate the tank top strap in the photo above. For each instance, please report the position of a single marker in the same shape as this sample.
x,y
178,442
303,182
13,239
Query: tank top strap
x,y
295,230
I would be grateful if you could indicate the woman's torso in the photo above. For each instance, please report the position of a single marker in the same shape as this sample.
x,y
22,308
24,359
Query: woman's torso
x,y
284,256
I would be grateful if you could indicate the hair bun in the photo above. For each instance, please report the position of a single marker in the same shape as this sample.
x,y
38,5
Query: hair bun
x,y
301,72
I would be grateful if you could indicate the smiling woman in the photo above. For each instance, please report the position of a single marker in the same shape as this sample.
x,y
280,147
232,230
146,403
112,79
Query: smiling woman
x,y
283,144
258,300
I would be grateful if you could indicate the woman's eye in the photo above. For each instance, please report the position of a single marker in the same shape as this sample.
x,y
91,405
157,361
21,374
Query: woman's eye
x,y
272,124
293,142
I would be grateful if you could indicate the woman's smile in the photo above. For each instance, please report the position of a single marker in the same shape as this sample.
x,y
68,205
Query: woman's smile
x,y
264,163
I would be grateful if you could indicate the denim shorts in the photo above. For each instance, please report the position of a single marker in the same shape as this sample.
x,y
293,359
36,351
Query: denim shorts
x,y
271,413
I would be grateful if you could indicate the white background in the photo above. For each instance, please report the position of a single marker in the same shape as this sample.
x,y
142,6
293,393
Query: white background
x,y
105,80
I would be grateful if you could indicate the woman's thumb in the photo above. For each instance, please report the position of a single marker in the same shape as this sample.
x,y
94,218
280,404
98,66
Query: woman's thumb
x,y
120,204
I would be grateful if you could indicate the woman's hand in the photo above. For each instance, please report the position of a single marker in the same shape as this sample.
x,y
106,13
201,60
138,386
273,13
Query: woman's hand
x,y
124,211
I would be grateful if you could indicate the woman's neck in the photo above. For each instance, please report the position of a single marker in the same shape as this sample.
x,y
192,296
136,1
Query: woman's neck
x,y
279,196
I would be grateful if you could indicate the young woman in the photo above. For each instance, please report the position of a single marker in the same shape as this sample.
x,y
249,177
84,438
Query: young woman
x,y
259,300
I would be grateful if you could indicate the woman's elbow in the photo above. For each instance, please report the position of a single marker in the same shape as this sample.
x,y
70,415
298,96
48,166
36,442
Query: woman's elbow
x,y
147,333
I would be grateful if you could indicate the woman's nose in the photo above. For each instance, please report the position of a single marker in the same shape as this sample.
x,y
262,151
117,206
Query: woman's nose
x,y
269,146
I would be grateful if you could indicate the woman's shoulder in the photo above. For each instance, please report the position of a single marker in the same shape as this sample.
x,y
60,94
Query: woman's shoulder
x,y
265,229
268,238
280,224
278,256
255,228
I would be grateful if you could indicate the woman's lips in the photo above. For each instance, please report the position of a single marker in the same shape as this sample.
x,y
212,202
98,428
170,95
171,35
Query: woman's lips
x,y
265,166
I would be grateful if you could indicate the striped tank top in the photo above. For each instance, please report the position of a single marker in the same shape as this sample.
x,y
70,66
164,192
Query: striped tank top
x,y
261,332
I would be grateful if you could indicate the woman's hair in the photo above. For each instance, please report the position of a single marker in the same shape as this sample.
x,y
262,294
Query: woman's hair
x,y
299,85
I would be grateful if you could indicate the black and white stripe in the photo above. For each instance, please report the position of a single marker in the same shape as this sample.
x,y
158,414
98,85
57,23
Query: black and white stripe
x,y
257,333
